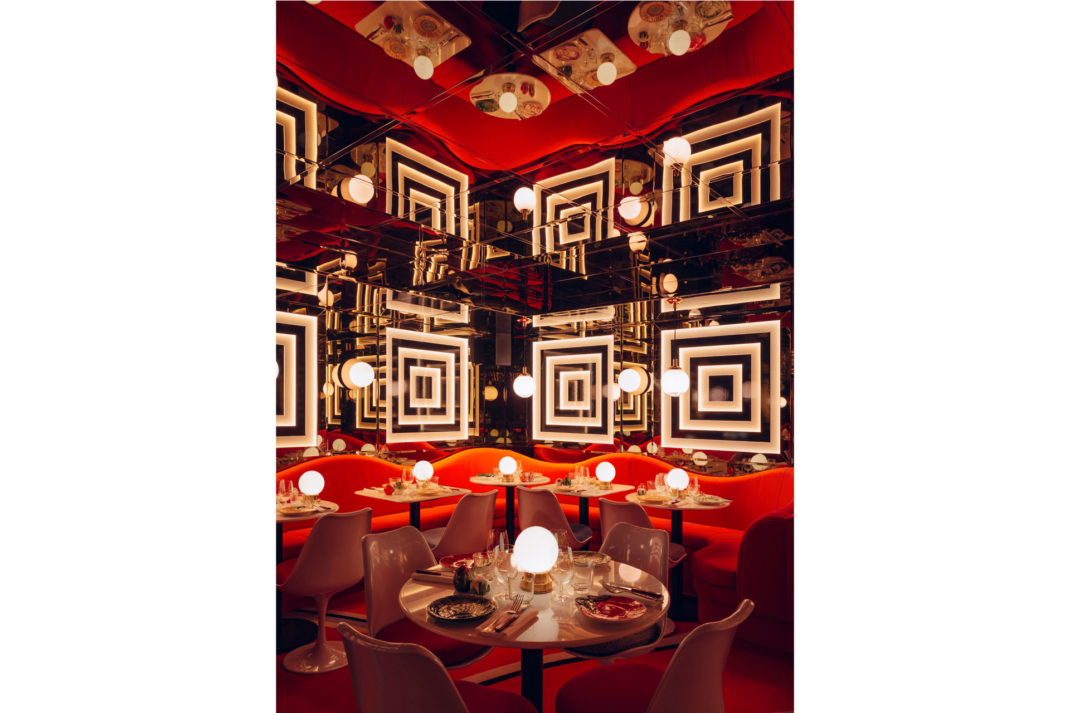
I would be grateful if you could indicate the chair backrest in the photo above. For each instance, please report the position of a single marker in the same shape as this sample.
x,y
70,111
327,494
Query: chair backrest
x,y
692,680
610,512
392,678
469,527
332,558
643,547
541,507
390,559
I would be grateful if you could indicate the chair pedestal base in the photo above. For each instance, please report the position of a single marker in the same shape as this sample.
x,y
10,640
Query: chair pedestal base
x,y
307,659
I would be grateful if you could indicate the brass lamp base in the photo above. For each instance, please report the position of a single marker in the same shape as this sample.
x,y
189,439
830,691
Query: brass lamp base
x,y
605,485
536,583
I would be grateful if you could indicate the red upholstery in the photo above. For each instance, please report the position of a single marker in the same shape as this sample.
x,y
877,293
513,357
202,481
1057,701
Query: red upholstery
x,y
484,699
618,688
760,566
449,651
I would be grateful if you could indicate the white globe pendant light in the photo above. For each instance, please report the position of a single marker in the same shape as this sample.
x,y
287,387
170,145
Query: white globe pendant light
x,y
524,199
606,73
675,381
423,66
679,42
678,149
630,207
524,386
507,102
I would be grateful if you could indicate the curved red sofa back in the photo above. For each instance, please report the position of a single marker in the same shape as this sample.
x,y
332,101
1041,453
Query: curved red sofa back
x,y
753,495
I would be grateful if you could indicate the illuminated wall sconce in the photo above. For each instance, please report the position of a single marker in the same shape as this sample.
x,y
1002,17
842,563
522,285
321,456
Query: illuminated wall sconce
x,y
605,472
423,470
534,554
675,381
524,385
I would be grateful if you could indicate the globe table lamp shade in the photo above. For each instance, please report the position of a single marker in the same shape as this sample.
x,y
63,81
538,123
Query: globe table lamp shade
x,y
534,554
606,73
524,199
675,381
423,470
605,472
311,483
678,149
679,42
677,479
507,102
423,66
524,386
507,465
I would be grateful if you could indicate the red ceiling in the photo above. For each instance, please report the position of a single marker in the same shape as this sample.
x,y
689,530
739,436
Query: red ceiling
x,y
318,46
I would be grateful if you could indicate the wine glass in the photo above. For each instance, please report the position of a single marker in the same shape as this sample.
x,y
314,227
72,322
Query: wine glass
x,y
286,492
504,569
406,476
693,487
561,573
659,482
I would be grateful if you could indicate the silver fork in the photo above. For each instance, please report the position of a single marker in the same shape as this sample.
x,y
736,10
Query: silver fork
x,y
513,611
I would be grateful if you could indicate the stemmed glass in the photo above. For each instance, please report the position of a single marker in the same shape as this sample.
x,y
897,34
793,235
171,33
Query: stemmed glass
x,y
561,573
693,487
659,482
406,476
286,492
505,570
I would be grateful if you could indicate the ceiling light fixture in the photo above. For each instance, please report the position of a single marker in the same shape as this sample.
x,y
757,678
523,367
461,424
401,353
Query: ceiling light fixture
x,y
524,385
630,207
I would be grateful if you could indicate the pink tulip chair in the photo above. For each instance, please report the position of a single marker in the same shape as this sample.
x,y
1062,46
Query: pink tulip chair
x,y
646,549
391,557
397,678
691,683
468,529
541,507
331,560
611,512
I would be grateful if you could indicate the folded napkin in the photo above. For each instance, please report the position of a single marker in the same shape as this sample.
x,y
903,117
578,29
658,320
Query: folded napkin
x,y
436,578
517,625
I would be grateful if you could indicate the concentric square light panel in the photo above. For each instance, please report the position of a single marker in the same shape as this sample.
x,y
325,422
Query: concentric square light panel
x,y
725,168
574,208
425,191
427,388
733,403
572,400
296,389
294,113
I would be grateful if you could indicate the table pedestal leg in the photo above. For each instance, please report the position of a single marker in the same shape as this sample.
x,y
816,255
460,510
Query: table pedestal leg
x,y
510,514
585,512
676,584
414,515
531,676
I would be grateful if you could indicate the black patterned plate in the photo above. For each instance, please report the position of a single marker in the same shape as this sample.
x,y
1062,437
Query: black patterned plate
x,y
460,607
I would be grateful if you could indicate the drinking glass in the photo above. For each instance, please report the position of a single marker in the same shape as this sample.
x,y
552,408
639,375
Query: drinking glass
x,y
659,482
406,476
562,539
582,574
561,573
693,486
434,480
286,492
504,569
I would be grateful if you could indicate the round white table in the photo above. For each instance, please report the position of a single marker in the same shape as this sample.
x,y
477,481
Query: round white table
x,y
573,630
291,633
676,507
510,499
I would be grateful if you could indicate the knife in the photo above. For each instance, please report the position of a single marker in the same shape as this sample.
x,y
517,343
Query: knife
x,y
635,590
432,572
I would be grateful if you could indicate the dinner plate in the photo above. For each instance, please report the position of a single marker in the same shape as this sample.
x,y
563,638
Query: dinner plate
x,y
703,499
297,509
612,609
594,558
455,561
653,498
460,607
569,488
